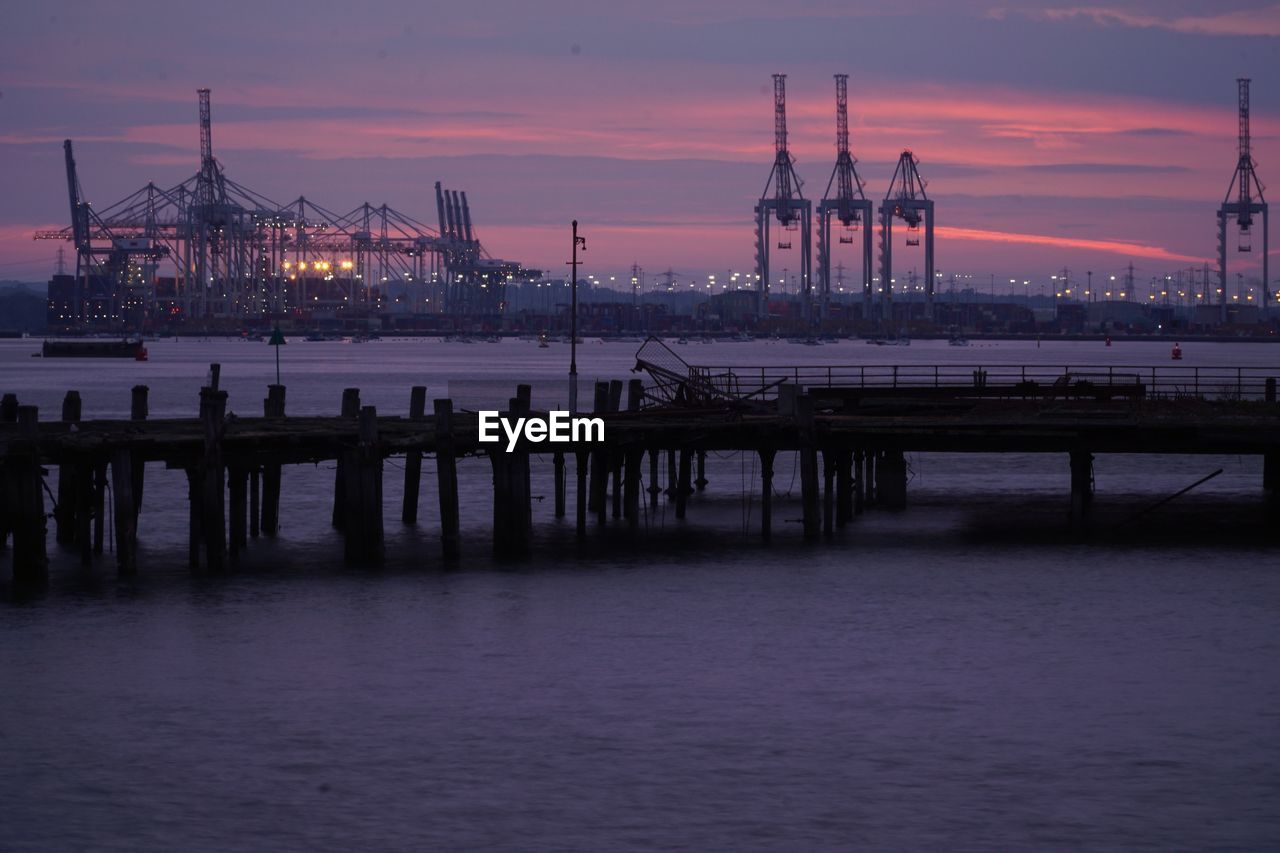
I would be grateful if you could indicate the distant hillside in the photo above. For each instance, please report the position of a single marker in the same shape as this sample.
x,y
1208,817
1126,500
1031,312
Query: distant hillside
x,y
22,306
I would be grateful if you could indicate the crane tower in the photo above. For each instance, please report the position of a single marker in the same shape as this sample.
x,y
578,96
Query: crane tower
x,y
787,204
1244,186
848,206
906,200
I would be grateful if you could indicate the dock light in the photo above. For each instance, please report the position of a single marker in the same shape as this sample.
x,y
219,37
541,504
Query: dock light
x,y
346,265
302,265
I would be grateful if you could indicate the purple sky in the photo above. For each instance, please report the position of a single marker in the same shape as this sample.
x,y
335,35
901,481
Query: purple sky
x,y
1051,134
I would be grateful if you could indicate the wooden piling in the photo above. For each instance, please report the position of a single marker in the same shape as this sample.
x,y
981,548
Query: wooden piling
x,y
766,492
9,409
84,511
869,478
654,489
511,498
350,409
580,504
599,460
859,481
138,411
362,493
64,514
30,559
524,395
238,495
557,466
447,479
701,481
99,503
809,493
255,501
673,476
891,480
683,488
828,491
615,458
213,480
195,515
413,459
844,487
1081,484
272,407
125,509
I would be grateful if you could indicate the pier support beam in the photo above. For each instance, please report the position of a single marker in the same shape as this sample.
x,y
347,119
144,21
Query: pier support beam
x,y
655,455
558,478
859,481
195,519
599,460
26,490
891,480
615,458
213,527
701,481
237,494
809,494
447,479
683,487
138,411
580,501
350,409
363,493
766,493
828,491
413,458
844,487
1081,484
126,512
272,407
65,513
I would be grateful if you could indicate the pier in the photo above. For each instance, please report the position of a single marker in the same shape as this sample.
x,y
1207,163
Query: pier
x,y
850,428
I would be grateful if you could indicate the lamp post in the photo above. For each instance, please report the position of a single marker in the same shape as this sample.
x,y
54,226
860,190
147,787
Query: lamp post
x,y
573,321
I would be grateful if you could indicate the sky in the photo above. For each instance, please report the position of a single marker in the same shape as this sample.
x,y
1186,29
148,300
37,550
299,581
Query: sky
x,y
1052,135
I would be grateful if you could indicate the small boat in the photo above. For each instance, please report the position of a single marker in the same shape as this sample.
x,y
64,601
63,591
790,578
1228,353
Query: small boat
x,y
542,341
1177,352
958,341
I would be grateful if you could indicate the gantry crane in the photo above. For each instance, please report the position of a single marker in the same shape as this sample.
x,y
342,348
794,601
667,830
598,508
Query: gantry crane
x,y
1244,185
787,204
849,206
906,200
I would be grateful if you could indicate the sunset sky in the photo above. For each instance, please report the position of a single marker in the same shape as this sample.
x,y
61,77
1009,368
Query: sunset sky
x,y
1051,135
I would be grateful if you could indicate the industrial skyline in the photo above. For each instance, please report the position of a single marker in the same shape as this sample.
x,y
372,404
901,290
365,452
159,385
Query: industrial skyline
x,y
1053,137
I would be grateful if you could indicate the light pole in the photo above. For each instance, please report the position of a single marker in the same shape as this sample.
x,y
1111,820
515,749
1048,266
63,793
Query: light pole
x,y
573,321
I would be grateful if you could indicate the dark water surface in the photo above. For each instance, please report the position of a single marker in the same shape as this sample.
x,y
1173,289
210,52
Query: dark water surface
x,y
961,675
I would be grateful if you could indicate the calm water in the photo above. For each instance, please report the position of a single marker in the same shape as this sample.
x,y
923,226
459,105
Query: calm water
x,y
962,674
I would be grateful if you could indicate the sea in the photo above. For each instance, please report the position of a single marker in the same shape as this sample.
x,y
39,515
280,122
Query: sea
x,y
967,674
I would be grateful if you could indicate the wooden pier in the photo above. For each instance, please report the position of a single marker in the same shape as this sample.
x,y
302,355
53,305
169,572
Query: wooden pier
x,y
850,442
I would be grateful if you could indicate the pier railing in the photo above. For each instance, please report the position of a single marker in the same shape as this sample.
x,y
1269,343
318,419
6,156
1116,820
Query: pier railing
x,y
1167,382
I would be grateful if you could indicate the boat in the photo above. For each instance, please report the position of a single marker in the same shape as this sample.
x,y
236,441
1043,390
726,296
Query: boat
x,y
542,341
1177,352
124,348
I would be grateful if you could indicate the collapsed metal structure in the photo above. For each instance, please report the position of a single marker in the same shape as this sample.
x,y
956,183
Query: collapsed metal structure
x,y
211,250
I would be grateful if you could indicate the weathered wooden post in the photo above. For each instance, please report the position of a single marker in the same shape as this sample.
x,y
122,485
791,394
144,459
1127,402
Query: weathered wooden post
x,y
363,470
844,487
1081,485
413,458
524,394
195,514
828,491
238,494
869,477
125,509
673,476
138,411
9,409
64,514
213,479
766,492
99,503
683,489
701,481
580,504
557,467
599,460
30,559
255,498
891,480
446,478
808,465
655,455
272,407
351,410
8,484
859,481
215,371
616,457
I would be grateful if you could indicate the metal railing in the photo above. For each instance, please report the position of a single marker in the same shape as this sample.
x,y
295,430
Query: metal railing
x,y
1167,382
